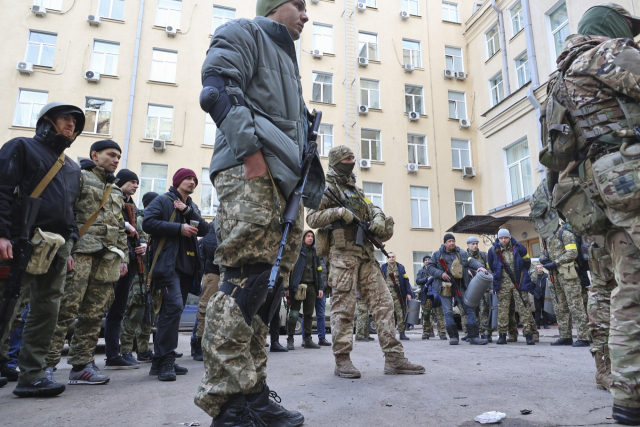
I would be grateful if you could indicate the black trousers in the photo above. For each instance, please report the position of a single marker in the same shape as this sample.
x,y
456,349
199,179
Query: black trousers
x,y
274,327
174,295
541,315
117,311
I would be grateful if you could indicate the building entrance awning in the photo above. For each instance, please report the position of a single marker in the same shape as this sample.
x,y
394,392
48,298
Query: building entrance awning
x,y
484,224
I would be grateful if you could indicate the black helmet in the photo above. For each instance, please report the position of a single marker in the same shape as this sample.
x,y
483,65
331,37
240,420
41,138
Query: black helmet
x,y
54,109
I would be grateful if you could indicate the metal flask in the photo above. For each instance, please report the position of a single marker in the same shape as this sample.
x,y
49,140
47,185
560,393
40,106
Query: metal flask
x,y
480,284
413,311
548,299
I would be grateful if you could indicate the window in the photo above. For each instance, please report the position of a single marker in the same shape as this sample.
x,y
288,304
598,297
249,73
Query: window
x,y
41,48
370,93
417,145
97,114
493,41
519,170
104,58
209,130
559,20
113,9
411,53
420,207
453,56
457,105
163,65
449,12
49,4
322,88
410,6
30,102
152,178
417,262
208,197
370,142
368,46
517,18
159,120
522,69
168,13
323,38
373,190
369,3
460,153
221,15
496,88
325,132
413,99
464,203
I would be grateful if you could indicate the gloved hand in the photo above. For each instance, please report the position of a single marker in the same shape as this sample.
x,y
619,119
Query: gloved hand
x,y
544,260
347,216
378,225
550,266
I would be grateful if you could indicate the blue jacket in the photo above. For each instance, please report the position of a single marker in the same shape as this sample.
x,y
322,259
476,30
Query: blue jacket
x,y
405,286
522,263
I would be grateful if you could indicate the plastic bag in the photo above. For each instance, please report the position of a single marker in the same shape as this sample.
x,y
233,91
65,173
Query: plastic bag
x,y
491,417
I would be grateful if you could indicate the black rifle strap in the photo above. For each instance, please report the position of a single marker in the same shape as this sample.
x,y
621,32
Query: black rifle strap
x,y
507,268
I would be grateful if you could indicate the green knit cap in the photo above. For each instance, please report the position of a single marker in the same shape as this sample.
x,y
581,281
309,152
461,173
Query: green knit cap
x,y
264,7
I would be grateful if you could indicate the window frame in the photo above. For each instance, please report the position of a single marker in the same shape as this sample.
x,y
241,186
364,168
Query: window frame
x,y
551,32
496,83
322,87
414,147
42,4
111,2
517,17
142,177
369,141
224,18
31,115
323,37
104,62
41,47
419,199
419,50
368,104
214,195
208,121
457,11
459,154
453,61
372,196
169,10
164,65
146,126
416,3
525,67
374,3
366,33
464,94
97,112
495,41
321,137
519,162
413,98
463,203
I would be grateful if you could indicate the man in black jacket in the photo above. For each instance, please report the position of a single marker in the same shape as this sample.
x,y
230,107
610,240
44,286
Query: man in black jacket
x,y
24,162
176,268
210,280
538,298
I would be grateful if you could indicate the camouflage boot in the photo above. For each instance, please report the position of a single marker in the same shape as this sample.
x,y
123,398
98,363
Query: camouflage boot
x,y
344,367
396,363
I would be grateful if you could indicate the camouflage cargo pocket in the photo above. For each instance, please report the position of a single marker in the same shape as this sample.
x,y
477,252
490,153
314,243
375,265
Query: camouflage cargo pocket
x,y
45,247
584,215
617,180
109,267
343,272
600,263
322,242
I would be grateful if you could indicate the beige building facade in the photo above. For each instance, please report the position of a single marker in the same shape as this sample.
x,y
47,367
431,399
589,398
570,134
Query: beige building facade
x,y
433,96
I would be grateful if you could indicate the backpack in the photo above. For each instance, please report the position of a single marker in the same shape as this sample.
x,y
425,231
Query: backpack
x,y
544,214
583,250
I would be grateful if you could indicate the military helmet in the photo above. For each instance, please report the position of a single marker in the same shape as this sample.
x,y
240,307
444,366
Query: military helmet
x,y
54,109
338,154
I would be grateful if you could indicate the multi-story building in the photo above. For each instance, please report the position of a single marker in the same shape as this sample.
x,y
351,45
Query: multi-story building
x,y
437,98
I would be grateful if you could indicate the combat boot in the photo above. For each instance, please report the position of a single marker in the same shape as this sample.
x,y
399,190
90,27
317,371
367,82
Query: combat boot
x,y
425,336
308,343
580,343
502,339
603,375
563,341
396,363
628,416
323,342
472,329
197,353
236,413
270,412
344,367
512,338
530,340
453,334
431,334
403,336
290,342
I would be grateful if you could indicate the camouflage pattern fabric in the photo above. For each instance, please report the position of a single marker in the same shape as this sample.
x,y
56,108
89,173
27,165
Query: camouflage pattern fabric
x,y
362,321
133,326
427,326
397,304
599,311
513,323
338,154
431,316
438,315
506,294
463,319
482,314
210,282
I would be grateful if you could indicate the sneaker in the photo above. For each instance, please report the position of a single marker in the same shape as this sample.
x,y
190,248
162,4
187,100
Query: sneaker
x,y
87,376
145,357
179,369
9,372
49,374
177,354
155,367
44,387
120,362
3,381
93,365
130,358
167,372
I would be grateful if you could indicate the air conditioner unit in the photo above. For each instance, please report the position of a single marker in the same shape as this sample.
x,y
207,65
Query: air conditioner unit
x,y
92,76
404,15
315,1
464,123
171,31
412,168
448,74
365,163
363,62
468,172
414,116
361,7
159,145
25,67
408,68
38,10
93,20
317,53
461,75
363,110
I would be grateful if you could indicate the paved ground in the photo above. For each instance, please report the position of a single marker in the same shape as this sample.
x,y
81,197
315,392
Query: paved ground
x,y
461,382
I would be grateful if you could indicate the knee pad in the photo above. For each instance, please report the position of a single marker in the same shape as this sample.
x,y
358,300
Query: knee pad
x,y
214,98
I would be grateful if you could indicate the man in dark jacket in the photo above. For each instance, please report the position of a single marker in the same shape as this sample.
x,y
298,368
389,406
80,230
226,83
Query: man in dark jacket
x,y
451,282
398,282
538,298
176,268
24,162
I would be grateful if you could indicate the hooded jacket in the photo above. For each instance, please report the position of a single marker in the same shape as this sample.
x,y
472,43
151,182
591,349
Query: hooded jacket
x,y
435,269
403,280
522,263
319,267
208,245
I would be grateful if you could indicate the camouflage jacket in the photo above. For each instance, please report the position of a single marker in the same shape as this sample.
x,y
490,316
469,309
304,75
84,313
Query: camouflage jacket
x,y
563,250
108,229
327,213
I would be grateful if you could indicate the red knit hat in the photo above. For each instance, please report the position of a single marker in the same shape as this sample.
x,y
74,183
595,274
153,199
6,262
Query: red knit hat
x,y
183,174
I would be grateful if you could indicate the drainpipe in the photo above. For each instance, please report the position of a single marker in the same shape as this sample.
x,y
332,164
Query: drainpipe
x,y
132,92
503,47
531,48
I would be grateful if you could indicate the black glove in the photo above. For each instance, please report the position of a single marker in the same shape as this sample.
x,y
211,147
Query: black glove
x,y
544,260
550,266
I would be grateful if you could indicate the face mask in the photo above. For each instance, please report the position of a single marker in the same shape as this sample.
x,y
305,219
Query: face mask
x,y
344,169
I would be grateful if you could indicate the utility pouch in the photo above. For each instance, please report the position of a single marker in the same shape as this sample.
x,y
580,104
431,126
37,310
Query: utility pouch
x,y
446,289
339,239
568,271
301,293
601,263
456,268
616,176
558,138
578,209
109,268
322,242
45,246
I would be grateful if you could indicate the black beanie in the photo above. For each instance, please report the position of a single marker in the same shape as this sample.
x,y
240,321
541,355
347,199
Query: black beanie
x,y
103,145
148,198
125,175
448,236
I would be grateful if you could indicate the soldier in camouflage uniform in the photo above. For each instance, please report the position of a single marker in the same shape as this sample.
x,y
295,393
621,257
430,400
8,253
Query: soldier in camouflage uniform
x,y
362,320
100,258
424,281
400,291
482,312
355,267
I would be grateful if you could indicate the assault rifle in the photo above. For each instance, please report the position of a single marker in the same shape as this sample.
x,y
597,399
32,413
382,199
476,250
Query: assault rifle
x,y
139,263
443,263
400,296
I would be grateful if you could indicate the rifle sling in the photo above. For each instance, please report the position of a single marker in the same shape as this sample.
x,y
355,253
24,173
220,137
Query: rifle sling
x,y
49,176
92,218
510,272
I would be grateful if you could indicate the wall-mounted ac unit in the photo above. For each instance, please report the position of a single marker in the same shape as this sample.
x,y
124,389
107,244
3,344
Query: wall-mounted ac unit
x,y
92,76
363,62
93,20
461,75
363,110
159,145
25,67
464,123
449,74
408,68
468,172
412,168
414,116
365,163
317,53
404,15
38,10
171,31
361,7
315,1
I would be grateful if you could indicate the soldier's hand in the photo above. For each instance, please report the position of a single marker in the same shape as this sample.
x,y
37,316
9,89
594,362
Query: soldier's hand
x,y
189,230
123,269
446,277
6,249
377,226
346,215
484,270
142,249
254,165
409,297
131,232
320,294
179,205
71,264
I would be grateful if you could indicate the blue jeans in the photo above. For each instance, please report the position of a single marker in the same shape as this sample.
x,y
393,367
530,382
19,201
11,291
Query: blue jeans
x,y
447,308
320,318
193,333
15,341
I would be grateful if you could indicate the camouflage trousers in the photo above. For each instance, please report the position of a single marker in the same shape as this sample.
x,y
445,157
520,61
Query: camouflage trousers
x,y
397,309
362,319
569,305
599,312
506,294
438,317
427,323
133,326
88,300
463,319
210,282
482,314
347,273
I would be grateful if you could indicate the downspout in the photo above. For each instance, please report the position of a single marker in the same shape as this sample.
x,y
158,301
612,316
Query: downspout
x,y
132,92
503,47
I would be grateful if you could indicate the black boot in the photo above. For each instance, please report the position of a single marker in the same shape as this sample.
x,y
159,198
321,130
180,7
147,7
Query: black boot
x,y
44,387
277,348
466,336
3,381
290,345
323,342
425,336
270,412
167,372
198,356
403,337
502,339
530,340
563,341
9,372
453,334
236,413
580,343
472,330
627,416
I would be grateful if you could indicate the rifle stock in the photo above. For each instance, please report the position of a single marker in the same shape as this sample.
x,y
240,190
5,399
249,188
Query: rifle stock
x,y
443,263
